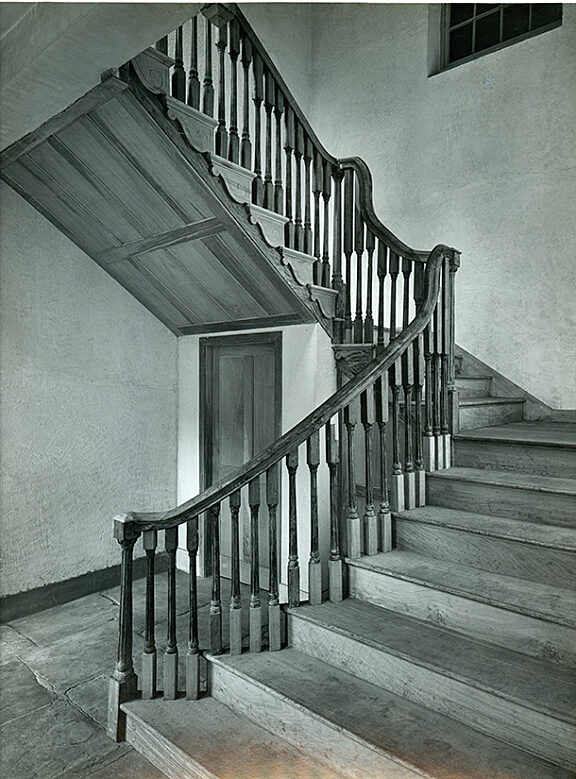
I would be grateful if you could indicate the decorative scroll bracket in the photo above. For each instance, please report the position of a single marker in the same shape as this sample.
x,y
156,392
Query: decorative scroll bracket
x,y
153,69
351,359
197,127
238,180
271,224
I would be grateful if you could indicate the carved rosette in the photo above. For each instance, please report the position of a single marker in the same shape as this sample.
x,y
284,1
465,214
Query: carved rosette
x,y
352,358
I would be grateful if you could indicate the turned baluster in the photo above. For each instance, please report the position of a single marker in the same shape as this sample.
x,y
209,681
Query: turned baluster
x,y
397,493
452,388
408,386
258,183
353,520
245,142
179,74
289,134
215,600
124,682
193,80
308,156
235,602
326,193
381,414
359,249
444,423
370,525
369,319
418,363
274,633
171,651
293,564
314,570
193,654
298,242
429,446
382,268
208,83
234,50
221,132
437,382
317,191
269,91
278,189
337,280
348,244
335,561
394,269
255,606
149,542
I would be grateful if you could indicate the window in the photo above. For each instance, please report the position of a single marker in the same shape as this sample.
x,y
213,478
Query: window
x,y
472,29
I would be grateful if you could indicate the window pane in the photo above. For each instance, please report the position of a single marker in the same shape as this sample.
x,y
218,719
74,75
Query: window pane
x,y
545,13
460,12
460,42
516,20
487,31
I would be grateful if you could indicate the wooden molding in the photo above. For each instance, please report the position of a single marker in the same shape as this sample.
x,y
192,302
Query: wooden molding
x,y
189,232
279,320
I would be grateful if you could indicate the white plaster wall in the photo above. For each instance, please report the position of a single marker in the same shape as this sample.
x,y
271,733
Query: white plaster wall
x,y
482,157
88,405
308,378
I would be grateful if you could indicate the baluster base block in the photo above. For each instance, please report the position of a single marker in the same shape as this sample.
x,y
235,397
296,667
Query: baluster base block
x,y
410,490
315,583
420,488
118,693
235,631
439,441
335,580
447,450
397,492
354,536
192,676
170,675
370,532
274,628
255,628
148,676
294,585
429,453
385,518
216,632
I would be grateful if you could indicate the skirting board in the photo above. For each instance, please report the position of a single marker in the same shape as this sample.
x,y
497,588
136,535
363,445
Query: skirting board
x,y
24,603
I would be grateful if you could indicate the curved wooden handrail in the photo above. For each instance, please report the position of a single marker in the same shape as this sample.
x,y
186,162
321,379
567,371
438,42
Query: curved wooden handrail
x,y
302,431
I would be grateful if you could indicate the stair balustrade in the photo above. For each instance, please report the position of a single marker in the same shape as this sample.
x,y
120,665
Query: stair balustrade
x,y
393,303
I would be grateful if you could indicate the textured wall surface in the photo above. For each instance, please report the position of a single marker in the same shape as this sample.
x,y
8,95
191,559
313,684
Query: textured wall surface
x,y
482,156
88,405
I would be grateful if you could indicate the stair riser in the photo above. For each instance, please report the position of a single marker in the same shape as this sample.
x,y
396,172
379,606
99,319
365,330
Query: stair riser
x,y
510,558
521,458
487,622
529,505
472,417
472,387
301,727
536,732
162,753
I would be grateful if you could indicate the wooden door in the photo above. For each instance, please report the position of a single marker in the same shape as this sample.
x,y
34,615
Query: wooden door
x,y
241,410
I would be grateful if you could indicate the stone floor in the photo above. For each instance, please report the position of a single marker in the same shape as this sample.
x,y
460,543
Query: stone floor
x,y
54,669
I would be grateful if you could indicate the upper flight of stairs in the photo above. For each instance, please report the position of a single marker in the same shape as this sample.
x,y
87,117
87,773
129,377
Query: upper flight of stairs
x,y
455,655
480,408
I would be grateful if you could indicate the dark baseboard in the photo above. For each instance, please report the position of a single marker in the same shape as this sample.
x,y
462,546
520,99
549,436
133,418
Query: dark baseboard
x,y
24,603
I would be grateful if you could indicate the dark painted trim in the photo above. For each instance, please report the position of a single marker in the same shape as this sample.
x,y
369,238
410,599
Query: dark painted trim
x,y
24,603
280,320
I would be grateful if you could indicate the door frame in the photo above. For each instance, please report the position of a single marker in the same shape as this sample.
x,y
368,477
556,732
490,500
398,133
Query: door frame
x,y
207,345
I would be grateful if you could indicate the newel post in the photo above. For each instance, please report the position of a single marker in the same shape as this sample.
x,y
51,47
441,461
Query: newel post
x,y
452,388
123,682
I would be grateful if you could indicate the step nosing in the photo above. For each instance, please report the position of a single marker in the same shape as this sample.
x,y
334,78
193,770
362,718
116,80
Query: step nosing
x,y
461,678
468,435
468,594
488,400
505,479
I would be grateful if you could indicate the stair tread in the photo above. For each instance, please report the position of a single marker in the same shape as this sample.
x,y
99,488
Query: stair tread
x,y
401,729
472,378
552,536
544,434
525,680
514,479
540,600
488,400
212,736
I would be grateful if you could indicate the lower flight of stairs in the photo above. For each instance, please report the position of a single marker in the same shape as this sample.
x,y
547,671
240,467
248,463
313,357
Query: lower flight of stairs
x,y
454,657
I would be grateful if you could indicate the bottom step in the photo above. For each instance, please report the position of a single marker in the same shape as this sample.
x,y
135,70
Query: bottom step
x,y
190,739
361,730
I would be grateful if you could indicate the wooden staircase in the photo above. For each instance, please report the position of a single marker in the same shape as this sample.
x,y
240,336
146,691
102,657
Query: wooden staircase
x,y
454,657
